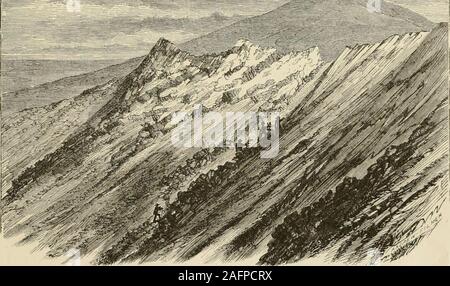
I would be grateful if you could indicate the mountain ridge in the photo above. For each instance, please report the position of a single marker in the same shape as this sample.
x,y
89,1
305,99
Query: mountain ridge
x,y
87,179
284,18
297,16
376,200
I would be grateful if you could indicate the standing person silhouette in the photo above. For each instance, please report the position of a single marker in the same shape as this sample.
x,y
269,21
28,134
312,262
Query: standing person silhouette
x,y
156,213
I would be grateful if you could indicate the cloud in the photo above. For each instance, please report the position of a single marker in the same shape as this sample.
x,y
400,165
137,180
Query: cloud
x,y
110,28
46,26
88,29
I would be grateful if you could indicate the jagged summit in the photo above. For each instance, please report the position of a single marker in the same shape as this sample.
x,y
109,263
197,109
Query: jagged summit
x,y
244,47
166,44
165,54
165,47
390,40
244,43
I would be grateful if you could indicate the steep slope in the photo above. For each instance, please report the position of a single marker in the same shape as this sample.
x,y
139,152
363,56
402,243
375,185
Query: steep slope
x,y
329,24
397,201
64,88
29,135
363,157
363,166
106,167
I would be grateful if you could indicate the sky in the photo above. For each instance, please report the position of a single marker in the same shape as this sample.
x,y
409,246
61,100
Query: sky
x,y
121,29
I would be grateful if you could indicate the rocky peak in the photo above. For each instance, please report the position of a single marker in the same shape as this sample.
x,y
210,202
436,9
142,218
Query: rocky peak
x,y
165,45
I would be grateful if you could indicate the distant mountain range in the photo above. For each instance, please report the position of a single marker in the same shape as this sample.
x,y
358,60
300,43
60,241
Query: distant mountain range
x,y
21,74
330,25
66,87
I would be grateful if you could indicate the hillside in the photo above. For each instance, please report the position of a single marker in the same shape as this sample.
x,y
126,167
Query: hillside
x,y
330,25
94,155
63,88
368,172
19,74
363,157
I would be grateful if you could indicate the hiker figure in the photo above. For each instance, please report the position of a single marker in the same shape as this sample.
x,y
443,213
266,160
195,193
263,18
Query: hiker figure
x,y
156,213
